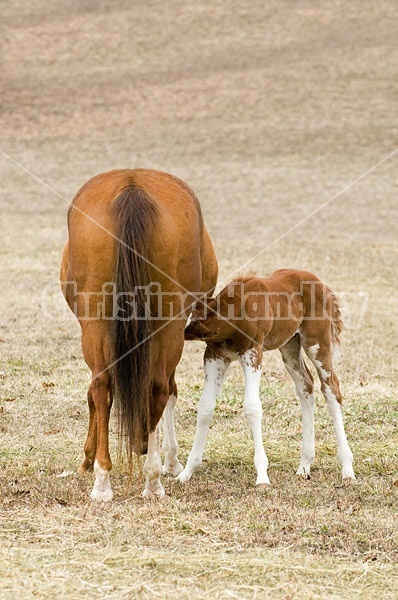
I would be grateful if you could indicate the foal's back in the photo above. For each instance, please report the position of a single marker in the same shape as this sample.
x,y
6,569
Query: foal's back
x,y
287,301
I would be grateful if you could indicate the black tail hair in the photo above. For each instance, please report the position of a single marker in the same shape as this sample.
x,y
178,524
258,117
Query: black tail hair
x,y
130,337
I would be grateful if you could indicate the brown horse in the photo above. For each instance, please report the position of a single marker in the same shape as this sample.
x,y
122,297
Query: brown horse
x,y
137,257
290,310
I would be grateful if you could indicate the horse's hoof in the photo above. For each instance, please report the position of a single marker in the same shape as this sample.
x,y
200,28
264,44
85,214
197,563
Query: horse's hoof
x,y
101,496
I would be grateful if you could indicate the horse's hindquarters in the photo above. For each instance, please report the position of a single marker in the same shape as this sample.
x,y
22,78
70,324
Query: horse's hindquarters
x,y
130,230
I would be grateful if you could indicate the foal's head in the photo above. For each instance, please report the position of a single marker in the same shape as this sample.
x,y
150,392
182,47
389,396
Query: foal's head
x,y
204,324
211,318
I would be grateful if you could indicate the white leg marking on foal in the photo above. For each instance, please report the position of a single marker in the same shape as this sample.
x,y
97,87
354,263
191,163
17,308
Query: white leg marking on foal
x,y
313,351
102,491
343,449
307,401
308,441
170,444
292,358
153,468
254,413
215,370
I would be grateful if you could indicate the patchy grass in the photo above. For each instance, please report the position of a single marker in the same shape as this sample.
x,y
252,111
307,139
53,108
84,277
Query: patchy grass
x,y
268,111
217,535
138,573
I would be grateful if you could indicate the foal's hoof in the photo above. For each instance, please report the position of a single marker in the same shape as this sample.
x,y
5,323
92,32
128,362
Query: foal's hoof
x,y
263,487
348,475
173,469
263,480
303,472
157,494
184,476
349,480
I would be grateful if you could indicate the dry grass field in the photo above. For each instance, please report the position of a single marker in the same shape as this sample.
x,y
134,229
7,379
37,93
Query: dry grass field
x,y
270,111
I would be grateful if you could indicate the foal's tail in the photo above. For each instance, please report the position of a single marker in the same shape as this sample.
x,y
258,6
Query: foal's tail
x,y
336,324
130,337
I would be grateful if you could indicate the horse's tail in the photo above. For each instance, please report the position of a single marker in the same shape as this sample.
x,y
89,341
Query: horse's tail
x,y
130,337
336,325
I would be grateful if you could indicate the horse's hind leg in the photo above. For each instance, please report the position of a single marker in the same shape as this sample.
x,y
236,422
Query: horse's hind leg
x,y
170,444
320,354
102,465
303,380
90,447
94,342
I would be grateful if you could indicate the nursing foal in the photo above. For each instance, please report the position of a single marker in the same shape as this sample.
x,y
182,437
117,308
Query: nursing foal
x,y
290,310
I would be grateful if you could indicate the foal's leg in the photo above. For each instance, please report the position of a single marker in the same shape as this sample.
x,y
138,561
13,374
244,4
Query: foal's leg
x,y
166,349
251,364
321,356
153,468
170,444
153,465
215,369
303,380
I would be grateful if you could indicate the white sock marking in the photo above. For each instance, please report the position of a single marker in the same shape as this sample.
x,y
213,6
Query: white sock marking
x,y
215,370
102,491
253,412
307,401
343,449
313,351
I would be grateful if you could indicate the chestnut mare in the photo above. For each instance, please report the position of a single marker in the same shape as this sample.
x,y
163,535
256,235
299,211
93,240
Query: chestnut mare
x,y
290,310
137,257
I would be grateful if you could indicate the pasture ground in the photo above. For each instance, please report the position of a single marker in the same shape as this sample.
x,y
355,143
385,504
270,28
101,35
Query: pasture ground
x,y
268,110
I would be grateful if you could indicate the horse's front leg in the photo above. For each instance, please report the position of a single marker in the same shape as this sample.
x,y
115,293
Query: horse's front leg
x,y
251,364
215,369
